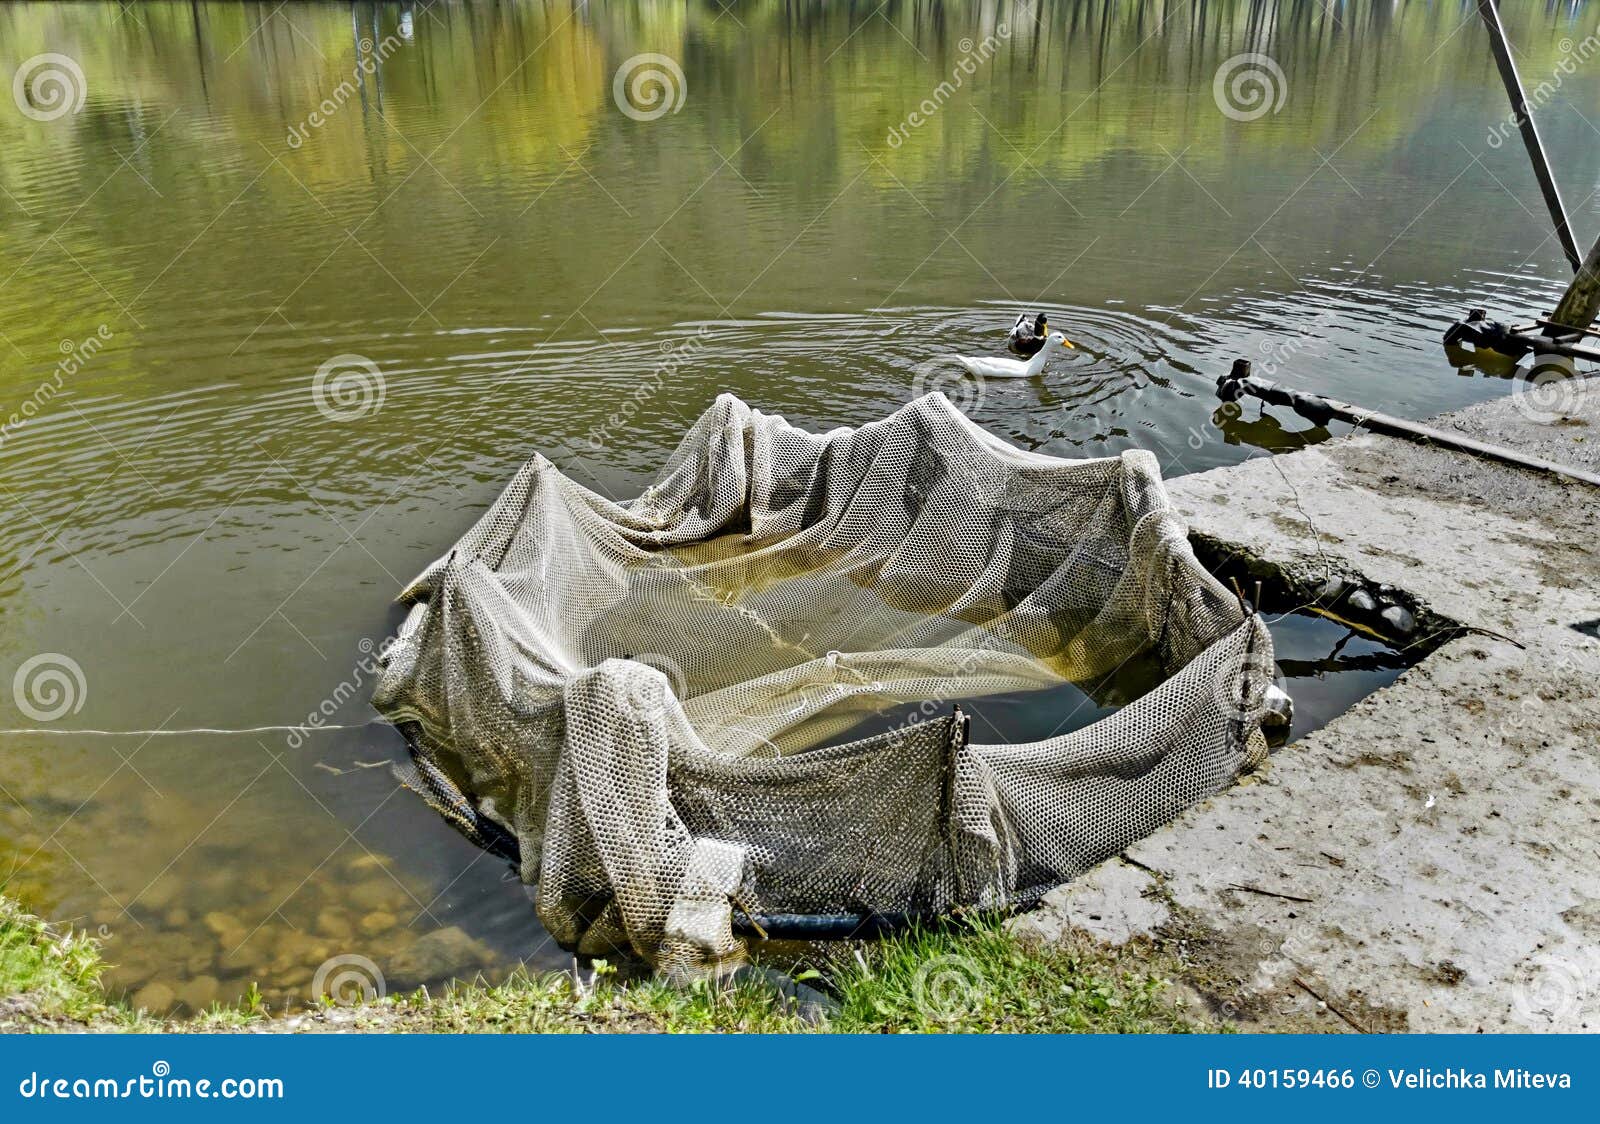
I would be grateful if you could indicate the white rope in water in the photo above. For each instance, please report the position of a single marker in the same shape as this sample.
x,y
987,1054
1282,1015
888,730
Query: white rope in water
x,y
63,732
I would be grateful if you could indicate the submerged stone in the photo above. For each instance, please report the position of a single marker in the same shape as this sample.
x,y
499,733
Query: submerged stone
x,y
440,955
200,992
157,998
378,921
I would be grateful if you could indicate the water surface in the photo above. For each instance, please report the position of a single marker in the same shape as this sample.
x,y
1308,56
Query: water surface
x,y
515,257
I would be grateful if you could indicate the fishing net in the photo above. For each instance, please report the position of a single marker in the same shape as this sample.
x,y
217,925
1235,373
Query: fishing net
x,y
649,703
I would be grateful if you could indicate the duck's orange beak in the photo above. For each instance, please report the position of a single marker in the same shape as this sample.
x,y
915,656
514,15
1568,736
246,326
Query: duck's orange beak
x,y
1065,342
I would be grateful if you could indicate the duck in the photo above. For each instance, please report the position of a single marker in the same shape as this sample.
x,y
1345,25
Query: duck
x,y
987,368
1027,335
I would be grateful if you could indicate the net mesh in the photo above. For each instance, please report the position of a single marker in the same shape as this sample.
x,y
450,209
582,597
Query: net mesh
x,y
649,697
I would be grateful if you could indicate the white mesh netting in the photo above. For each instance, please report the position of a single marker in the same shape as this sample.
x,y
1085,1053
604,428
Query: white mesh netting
x,y
648,696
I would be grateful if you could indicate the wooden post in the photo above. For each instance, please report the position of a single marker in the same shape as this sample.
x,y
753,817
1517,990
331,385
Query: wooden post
x,y
1580,304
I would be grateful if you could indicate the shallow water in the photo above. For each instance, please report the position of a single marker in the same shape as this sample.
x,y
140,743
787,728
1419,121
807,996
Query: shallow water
x,y
515,257
1325,666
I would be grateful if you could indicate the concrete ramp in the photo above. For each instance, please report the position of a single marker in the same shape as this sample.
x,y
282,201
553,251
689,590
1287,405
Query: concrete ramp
x,y
1430,860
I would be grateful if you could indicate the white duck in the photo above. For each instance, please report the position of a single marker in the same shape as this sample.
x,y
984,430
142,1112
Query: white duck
x,y
986,368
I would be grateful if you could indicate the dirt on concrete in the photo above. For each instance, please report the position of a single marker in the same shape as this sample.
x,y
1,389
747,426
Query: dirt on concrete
x,y
1428,860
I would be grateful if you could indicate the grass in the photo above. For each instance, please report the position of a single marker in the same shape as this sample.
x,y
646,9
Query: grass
x,y
975,978
47,975
981,978
50,979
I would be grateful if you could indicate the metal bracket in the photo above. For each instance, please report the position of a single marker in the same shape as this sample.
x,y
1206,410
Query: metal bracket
x,y
1541,337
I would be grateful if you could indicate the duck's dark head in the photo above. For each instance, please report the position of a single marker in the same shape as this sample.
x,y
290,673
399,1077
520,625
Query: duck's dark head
x,y
1039,325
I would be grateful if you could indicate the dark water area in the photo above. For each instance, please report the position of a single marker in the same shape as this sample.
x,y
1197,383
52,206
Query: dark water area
x,y
289,291
1325,666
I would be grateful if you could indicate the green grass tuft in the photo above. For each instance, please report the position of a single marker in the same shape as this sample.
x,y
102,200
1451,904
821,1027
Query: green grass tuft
x,y
980,978
46,974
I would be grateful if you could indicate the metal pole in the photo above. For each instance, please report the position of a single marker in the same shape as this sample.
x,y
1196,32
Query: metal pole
x,y
1530,134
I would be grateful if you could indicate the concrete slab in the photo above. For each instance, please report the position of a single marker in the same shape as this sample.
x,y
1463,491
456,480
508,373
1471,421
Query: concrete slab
x,y
1431,859
1113,903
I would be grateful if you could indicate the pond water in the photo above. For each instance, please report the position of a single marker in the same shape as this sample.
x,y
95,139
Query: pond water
x,y
446,208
